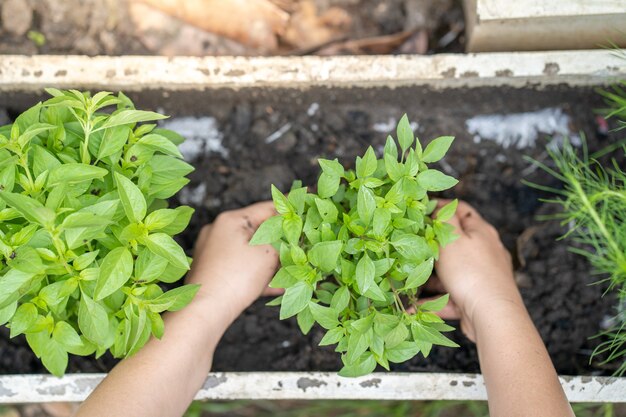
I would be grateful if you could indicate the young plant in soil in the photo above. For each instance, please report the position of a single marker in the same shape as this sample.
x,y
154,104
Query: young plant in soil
x,y
593,201
355,255
85,232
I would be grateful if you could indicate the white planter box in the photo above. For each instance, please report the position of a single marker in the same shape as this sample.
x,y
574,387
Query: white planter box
x,y
22,75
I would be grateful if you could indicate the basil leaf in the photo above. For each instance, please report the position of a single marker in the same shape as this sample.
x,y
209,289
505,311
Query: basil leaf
x,y
405,133
325,316
420,274
325,255
25,317
365,272
433,180
164,246
174,300
447,212
366,204
436,149
74,173
115,270
402,352
92,320
327,185
29,208
270,231
295,299
127,117
133,201
435,305
364,366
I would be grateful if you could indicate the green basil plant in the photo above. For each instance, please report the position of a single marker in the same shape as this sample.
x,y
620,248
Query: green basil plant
x,y
355,255
85,232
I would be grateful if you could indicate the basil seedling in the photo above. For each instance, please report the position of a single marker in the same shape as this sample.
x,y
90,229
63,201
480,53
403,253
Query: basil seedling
x,y
85,232
357,252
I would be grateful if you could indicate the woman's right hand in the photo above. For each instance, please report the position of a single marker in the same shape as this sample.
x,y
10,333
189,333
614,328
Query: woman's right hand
x,y
476,269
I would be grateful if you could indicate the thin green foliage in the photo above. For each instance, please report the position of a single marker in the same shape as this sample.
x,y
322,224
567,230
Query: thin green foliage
x,y
356,251
85,232
615,98
593,201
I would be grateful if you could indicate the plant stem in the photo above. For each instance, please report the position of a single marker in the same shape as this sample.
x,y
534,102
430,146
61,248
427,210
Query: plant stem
x,y
413,302
396,296
24,166
87,130
56,244
85,151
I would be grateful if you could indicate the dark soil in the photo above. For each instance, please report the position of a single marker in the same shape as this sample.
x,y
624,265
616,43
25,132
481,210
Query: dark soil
x,y
554,282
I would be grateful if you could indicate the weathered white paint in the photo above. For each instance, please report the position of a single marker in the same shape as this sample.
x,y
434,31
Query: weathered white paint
x,y
310,386
526,25
202,136
136,73
521,130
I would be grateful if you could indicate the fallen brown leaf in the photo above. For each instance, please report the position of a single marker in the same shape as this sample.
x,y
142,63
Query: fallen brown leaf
x,y
255,23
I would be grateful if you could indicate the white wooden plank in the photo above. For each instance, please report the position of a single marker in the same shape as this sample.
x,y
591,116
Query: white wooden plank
x,y
310,386
133,73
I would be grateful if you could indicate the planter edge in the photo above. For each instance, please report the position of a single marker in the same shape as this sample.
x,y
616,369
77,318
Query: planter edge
x,y
310,386
19,73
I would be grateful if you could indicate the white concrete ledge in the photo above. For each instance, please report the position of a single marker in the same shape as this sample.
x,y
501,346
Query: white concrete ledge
x,y
136,73
311,386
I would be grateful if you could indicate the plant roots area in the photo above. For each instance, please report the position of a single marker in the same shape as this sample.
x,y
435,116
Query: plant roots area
x,y
241,142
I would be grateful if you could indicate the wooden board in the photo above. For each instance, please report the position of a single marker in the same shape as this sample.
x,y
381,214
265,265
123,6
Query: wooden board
x,y
310,386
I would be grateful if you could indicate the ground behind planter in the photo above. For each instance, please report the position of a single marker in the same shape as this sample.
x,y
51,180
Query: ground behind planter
x,y
241,142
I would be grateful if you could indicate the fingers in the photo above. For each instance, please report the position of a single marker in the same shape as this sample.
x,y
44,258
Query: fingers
x,y
259,212
471,221
464,210
272,292
203,237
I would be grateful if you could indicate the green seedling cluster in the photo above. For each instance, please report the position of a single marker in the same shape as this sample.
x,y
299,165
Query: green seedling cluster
x,y
85,232
593,201
355,255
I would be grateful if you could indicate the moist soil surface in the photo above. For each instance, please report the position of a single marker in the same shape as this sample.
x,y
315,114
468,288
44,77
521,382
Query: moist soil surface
x,y
555,283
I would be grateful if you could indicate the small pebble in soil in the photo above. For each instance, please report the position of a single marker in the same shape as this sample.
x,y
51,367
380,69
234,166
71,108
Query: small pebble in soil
x,y
312,110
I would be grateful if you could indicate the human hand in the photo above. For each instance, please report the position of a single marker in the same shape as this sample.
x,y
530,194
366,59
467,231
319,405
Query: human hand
x,y
476,269
232,274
